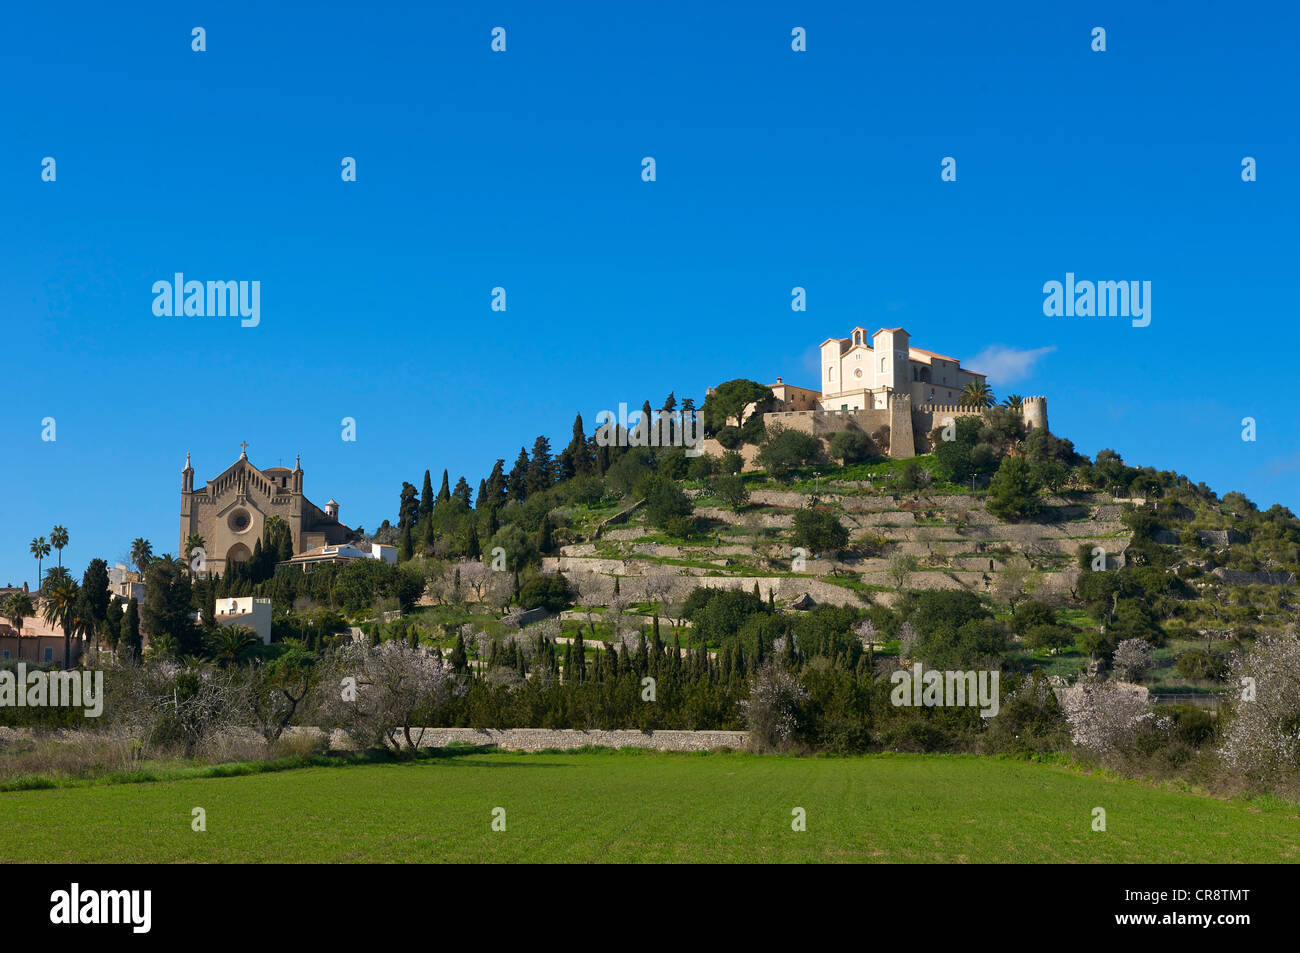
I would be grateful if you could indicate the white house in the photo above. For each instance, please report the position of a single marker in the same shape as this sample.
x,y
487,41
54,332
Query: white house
x,y
247,611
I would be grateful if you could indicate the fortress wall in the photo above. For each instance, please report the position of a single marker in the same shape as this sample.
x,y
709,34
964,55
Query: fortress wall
x,y
801,420
820,422
902,443
929,416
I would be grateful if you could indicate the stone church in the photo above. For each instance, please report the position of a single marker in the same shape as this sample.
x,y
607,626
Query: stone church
x,y
230,512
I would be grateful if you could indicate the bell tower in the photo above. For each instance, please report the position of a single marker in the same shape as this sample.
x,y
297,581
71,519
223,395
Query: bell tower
x,y
890,348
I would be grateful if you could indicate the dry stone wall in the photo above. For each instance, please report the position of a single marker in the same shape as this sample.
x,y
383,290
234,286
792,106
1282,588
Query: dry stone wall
x,y
541,739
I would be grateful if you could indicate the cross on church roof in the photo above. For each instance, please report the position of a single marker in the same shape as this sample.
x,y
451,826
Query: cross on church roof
x,y
244,445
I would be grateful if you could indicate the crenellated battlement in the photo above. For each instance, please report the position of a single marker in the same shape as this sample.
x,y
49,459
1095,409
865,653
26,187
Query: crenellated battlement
x,y
947,409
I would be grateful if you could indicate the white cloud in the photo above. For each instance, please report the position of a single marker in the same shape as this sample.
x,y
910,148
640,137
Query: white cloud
x,y
1006,365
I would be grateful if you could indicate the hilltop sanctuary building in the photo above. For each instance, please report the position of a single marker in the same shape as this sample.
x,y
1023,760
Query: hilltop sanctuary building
x,y
229,512
877,381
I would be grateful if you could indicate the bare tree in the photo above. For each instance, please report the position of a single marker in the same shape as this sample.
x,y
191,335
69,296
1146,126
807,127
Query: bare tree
x,y
475,576
899,569
1014,583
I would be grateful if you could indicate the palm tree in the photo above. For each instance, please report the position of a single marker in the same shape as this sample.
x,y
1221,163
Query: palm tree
x,y
60,608
53,577
40,549
229,644
976,394
141,552
59,539
195,541
1014,401
17,606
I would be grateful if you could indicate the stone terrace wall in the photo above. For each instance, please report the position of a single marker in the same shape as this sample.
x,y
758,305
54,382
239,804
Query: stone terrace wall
x,y
538,739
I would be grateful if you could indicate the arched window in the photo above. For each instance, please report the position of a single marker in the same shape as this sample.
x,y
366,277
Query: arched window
x,y
882,365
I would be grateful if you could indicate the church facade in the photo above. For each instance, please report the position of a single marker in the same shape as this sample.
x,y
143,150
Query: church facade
x,y
230,512
859,371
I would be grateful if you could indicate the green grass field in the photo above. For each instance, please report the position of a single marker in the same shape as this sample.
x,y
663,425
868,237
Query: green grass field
x,y
647,807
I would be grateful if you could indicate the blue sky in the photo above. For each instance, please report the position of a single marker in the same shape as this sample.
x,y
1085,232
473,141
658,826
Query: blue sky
x,y
522,170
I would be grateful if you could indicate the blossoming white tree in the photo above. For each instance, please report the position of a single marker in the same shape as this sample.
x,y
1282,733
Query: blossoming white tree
x,y
380,694
1105,717
1261,735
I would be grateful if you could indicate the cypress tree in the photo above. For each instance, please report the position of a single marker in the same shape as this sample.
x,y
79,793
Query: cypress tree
x,y
656,653
577,451
426,536
544,541
131,627
210,601
408,508
459,658
495,487
517,482
579,655
404,545
426,497
462,493
110,629
540,476
472,547
444,492
482,494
